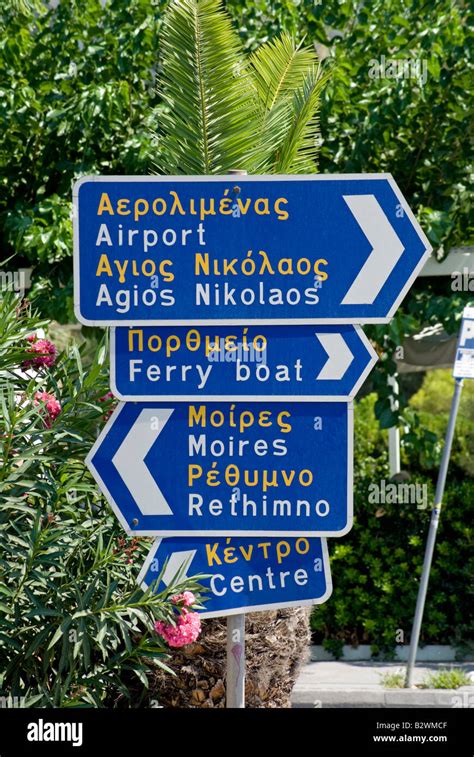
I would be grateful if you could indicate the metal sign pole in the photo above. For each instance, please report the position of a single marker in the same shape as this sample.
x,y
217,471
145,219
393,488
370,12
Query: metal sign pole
x,y
430,544
235,679
394,431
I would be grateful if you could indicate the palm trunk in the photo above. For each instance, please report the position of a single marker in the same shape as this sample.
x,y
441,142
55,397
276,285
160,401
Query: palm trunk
x,y
277,644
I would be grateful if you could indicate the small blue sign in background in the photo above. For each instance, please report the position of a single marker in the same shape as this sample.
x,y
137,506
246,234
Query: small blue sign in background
x,y
464,361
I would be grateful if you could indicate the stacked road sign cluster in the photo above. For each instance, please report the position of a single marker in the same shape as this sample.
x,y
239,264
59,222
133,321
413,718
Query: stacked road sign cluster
x,y
236,352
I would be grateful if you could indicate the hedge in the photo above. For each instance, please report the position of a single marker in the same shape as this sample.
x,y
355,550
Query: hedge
x,y
376,567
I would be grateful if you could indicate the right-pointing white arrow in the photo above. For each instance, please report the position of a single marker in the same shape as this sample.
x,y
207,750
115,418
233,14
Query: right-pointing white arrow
x,y
175,563
386,249
339,357
130,461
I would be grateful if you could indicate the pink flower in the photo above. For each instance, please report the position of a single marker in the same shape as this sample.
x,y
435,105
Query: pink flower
x,y
186,599
50,404
43,350
106,398
186,630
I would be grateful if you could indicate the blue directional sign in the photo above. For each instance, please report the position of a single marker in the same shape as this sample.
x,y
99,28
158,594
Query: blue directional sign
x,y
243,574
221,362
233,469
268,249
464,361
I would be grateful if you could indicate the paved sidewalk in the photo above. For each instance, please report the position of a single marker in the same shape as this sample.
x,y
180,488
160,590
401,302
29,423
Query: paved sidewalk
x,y
358,684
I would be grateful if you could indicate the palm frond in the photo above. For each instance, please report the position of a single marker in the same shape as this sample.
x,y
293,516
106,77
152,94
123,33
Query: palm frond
x,y
212,111
221,110
274,126
26,7
299,150
280,66
288,82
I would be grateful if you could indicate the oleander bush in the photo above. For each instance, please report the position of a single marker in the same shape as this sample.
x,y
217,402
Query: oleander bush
x,y
75,629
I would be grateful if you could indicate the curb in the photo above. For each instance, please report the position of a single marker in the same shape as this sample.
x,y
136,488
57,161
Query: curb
x,y
309,696
363,653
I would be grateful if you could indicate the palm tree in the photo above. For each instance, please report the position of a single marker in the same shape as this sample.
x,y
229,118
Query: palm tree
x,y
225,110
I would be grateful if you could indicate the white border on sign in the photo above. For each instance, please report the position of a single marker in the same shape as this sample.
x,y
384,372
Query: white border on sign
x,y
244,397
219,532
252,608
246,321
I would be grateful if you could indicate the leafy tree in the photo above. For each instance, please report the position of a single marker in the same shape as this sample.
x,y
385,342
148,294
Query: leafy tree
x,y
413,121
77,95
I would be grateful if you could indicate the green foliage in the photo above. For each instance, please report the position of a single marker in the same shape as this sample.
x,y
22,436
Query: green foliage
x,y
26,7
75,630
416,129
78,96
44,232
419,131
288,81
280,68
422,441
395,680
427,417
259,21
376,567
370,441
448,678
445,678
77,91
423,307
334,647
436,393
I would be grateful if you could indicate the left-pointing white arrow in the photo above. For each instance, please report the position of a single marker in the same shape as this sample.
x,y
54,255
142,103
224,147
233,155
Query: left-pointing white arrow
x,y
175,563
386,249
130,461
339,357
